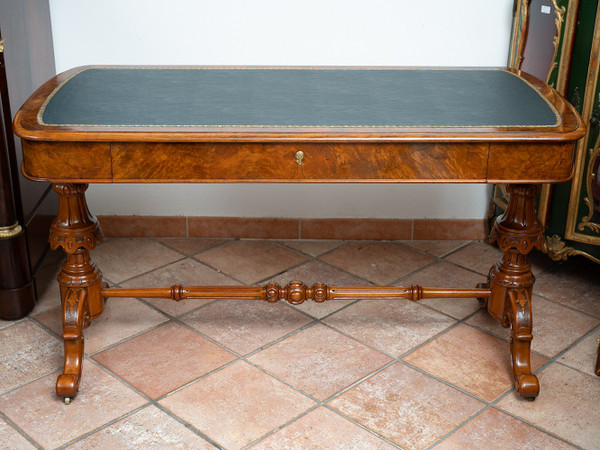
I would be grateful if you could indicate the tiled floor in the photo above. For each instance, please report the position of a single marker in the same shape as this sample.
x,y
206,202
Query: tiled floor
x,y
345,375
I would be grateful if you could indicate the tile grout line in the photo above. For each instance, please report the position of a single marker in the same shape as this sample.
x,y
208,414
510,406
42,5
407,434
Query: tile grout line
x,y
103,426
14,426
284,337
319,402
174,319
495,405
149,402
244,358
316,258
458,427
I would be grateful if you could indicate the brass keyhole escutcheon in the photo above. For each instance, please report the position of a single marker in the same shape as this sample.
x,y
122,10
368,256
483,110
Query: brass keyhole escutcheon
x,y
300,157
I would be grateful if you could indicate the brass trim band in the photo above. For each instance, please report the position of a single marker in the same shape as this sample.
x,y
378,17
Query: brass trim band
x,y
10,231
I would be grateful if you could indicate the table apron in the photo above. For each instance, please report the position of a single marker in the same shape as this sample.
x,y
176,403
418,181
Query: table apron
x,y
297,162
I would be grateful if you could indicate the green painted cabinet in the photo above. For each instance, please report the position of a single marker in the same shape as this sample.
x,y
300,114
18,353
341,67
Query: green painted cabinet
x,y
559,41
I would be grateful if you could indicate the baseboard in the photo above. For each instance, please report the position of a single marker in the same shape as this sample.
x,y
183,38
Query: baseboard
x,y
283,228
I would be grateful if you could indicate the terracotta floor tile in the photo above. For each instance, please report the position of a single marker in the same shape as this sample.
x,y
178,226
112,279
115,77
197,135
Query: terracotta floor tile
x,y
406,406
122,258
122,318
241,404
313,272
571,397
478,256
27,352
379,262
8,323
443,274
187,272
37,410
147,362
251,261
554,327
495,430
322,429
392,326
149,428
313,247
572,284
320,361
191,247
245,325
12,439
583,355
436,247
471,360
237,405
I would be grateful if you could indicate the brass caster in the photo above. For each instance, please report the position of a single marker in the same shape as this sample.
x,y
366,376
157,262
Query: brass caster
x,y
67,400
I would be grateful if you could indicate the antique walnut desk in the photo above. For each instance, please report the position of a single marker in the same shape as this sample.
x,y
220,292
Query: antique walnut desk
x,y
383,125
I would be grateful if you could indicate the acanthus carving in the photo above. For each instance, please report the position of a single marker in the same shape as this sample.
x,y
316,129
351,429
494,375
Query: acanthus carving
x,y
74,226
519,243
591,177
519,316
558,21
70,242
518,228
558,250
74,311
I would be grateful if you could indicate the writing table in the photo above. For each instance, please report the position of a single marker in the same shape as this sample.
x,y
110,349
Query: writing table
x,y
293,124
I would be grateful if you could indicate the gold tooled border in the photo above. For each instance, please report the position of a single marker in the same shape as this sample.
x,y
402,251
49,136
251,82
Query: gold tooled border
x,y
47,101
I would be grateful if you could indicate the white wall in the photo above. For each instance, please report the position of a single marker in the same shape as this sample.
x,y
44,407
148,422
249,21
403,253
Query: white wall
x,y
285,32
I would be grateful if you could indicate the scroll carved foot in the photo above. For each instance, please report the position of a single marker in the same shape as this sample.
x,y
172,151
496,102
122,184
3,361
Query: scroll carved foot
x,y
76,231
75,317
519,316
517,232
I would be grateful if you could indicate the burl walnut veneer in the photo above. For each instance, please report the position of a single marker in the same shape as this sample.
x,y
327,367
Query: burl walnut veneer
x,y
206,124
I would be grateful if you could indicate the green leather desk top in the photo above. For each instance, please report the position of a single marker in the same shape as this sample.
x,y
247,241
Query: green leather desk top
x,y
252,98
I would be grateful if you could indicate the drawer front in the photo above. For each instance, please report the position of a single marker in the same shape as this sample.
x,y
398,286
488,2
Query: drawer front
x,y
298,162
72,161
524,162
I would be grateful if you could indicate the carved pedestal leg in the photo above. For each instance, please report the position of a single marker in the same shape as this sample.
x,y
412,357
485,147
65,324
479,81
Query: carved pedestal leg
x,y
76,231
517,232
